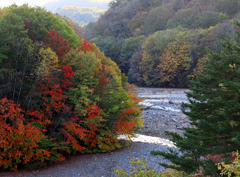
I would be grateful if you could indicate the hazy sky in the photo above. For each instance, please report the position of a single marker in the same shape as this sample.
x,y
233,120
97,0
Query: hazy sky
x,y
5,3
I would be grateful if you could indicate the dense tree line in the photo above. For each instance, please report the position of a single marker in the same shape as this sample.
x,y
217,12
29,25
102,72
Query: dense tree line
x,y
59,94
151,27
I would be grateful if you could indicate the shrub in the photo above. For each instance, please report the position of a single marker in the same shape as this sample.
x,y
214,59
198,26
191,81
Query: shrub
x,y
141,169
231,169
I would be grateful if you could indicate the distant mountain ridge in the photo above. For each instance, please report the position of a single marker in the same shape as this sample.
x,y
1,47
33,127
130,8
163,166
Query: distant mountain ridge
x,y
81,12
59,4
81,15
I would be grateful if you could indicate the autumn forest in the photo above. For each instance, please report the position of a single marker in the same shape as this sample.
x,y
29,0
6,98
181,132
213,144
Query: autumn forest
x,y
146,37
67,89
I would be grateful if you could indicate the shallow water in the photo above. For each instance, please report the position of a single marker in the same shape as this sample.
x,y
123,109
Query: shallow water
x,y
149,139
157,102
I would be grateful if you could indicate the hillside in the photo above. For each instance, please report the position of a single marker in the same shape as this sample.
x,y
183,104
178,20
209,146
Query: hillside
x,y
163,42
81,15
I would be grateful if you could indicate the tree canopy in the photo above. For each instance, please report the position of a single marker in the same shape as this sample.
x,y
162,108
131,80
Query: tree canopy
x,y
206,21
59,94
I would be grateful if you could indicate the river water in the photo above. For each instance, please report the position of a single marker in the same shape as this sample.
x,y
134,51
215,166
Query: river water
x,y
162,111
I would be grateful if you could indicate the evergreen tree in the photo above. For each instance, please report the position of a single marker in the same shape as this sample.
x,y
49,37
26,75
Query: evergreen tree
x,y
214,114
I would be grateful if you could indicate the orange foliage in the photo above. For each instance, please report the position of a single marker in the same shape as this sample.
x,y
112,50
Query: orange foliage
x,y
200,65
126,122
18,142
39,117
174,60
92,122
53,100
215,158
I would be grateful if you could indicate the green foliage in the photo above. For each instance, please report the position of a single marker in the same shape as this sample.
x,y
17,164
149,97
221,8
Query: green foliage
x,y
110,46
14,20
231,169
141,169
77,29
230,7
137,22
183,17
157,19
214,114
128,47
174,173
207,19
135,74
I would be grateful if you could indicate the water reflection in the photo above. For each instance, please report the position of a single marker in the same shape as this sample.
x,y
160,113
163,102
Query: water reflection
x,y
149,139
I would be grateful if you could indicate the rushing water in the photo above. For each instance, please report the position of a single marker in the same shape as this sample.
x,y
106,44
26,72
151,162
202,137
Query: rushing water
x,y
162,111
163,99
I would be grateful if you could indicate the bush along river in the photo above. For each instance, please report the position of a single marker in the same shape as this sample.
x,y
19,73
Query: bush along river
x,y
161,112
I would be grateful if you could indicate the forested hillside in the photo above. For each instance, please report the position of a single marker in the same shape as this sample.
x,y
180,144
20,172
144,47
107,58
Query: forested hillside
x,y
59,94
77,29
162,42
81,15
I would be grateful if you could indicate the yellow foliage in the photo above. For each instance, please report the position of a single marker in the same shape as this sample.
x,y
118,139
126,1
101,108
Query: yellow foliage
x,y
175,59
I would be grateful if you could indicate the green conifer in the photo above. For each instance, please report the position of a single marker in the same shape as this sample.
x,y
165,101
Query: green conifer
x,y
214,114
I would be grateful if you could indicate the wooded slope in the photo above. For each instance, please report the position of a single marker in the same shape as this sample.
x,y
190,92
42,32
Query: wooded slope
x,y
162,42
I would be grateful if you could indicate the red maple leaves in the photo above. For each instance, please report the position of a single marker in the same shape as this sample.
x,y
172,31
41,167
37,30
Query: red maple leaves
x,y
57,43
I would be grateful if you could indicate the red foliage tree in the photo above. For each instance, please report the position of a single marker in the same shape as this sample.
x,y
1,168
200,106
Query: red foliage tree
x,y
57,43
18,142
68,73
74,133
92,122
86,46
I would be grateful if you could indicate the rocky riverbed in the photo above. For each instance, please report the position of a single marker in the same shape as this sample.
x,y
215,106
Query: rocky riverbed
x,y
161,112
